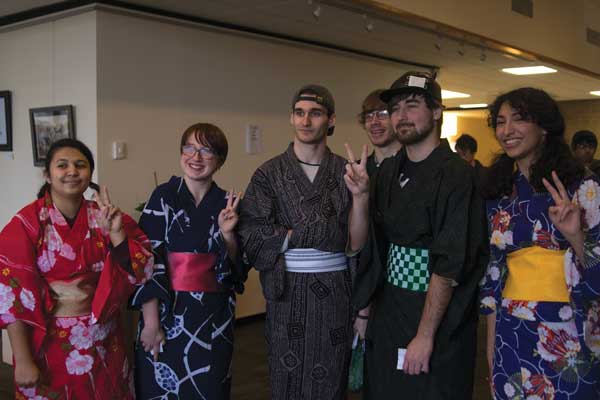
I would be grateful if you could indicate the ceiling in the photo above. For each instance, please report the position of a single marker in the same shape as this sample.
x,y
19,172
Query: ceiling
x,y
476,71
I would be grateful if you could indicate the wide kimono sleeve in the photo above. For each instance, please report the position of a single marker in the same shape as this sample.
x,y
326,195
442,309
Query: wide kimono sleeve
x,y
490,287
154,222
370,272
24,294
459,248
122,272
583,276
262,237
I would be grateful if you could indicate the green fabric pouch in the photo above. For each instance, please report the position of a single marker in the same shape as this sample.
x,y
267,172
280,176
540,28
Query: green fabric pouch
x,y
355,374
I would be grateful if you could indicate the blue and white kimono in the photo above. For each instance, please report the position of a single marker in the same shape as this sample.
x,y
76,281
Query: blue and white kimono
x,y
195,361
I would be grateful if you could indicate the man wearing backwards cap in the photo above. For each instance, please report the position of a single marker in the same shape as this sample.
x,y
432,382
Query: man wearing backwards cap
x,y
423,259
294,227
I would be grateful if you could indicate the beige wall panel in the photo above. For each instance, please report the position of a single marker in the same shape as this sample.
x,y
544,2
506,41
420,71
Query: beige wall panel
x,y
155,79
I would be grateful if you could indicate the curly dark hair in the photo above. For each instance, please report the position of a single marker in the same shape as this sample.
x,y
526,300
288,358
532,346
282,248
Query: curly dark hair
x,y
534,105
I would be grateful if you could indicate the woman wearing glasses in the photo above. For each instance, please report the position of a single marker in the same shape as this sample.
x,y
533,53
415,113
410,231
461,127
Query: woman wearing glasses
x,y
185,338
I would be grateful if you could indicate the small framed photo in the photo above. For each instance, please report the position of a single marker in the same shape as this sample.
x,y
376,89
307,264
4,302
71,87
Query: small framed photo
x,y
49,124
5,122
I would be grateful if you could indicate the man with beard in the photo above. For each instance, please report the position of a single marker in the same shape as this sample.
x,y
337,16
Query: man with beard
x,y
425,254
294,224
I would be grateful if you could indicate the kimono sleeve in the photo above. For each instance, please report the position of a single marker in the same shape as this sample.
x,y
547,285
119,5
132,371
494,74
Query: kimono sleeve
x,y
490,287
262,238
24,293
116,283
459,248
153,222
583,276
231,272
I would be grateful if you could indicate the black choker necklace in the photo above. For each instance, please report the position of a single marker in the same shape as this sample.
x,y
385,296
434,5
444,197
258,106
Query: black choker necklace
x,y
307,163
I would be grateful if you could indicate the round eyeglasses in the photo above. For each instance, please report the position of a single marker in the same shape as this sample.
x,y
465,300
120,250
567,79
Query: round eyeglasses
x,y
379,114
204,152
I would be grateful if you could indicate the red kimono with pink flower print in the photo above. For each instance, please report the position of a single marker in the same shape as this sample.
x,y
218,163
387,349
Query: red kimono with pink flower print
x,y
68,284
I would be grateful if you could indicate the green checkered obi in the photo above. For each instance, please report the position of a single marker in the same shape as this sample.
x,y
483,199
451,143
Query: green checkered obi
x,y
407,268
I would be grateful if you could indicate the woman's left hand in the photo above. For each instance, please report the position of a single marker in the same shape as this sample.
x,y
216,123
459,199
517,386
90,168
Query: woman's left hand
x,y
228,216
564,214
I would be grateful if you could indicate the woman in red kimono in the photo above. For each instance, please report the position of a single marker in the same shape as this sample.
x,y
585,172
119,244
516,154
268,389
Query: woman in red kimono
x,y
67,265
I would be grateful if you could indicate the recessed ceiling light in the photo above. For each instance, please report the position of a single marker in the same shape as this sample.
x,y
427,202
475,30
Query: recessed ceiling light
x,y
595,92
448,94
475,105
538,69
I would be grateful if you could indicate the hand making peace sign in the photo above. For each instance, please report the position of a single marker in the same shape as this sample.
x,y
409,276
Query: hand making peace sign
x,y
564,214
356,177
111,218
228,216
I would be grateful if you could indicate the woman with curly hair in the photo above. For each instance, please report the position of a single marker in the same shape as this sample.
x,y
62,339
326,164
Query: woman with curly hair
x,y
541,291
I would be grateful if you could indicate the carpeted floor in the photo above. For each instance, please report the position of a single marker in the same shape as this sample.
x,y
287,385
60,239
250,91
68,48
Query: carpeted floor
x,y
250,372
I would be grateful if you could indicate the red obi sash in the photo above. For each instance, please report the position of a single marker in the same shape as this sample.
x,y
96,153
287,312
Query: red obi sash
x,y
193,272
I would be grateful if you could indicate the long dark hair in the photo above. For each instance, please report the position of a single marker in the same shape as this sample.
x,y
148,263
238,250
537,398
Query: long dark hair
x,y
538,107
60,144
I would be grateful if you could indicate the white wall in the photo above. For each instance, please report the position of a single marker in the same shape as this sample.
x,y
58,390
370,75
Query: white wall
x,y
53,63
155,79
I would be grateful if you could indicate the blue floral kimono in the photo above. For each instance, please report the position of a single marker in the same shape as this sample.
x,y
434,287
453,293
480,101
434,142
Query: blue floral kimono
x,y
545,349
195,363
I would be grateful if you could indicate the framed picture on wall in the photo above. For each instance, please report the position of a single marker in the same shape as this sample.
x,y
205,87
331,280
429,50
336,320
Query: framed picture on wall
x,y
49,124
5,121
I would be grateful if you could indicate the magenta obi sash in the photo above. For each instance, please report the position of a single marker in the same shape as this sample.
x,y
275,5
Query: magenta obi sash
x,y
193,272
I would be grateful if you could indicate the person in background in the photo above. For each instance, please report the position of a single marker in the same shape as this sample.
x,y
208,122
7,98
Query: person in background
x,y
185,340
583,146
541,291
67,267
466,147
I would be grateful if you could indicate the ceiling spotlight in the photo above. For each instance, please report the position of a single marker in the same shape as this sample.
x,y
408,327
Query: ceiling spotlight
x,y
461,49
483,56
595,92
369,24
438,43
317,11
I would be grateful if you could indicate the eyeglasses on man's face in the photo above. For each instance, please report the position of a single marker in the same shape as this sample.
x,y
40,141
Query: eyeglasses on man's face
x,y
379,114
204,152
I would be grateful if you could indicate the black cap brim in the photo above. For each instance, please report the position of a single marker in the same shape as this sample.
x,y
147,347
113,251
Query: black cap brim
x,y
387,95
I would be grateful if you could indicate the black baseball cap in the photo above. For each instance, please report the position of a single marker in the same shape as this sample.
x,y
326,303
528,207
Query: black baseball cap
x,y
317,93
414,82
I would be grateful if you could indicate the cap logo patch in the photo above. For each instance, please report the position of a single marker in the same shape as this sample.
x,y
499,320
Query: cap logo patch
x,y
417,81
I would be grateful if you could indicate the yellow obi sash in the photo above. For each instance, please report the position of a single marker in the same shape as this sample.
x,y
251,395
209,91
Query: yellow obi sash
x,y
536,274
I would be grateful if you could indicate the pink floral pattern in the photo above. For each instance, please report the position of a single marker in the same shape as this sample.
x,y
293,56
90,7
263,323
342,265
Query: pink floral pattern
x,y
78,364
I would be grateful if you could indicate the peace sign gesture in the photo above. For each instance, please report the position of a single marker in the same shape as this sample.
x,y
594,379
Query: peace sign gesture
x,y
228,216
564,214
111,218
356,177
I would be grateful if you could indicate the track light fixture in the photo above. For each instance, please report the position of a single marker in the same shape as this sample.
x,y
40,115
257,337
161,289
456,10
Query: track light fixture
x,y
369,23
